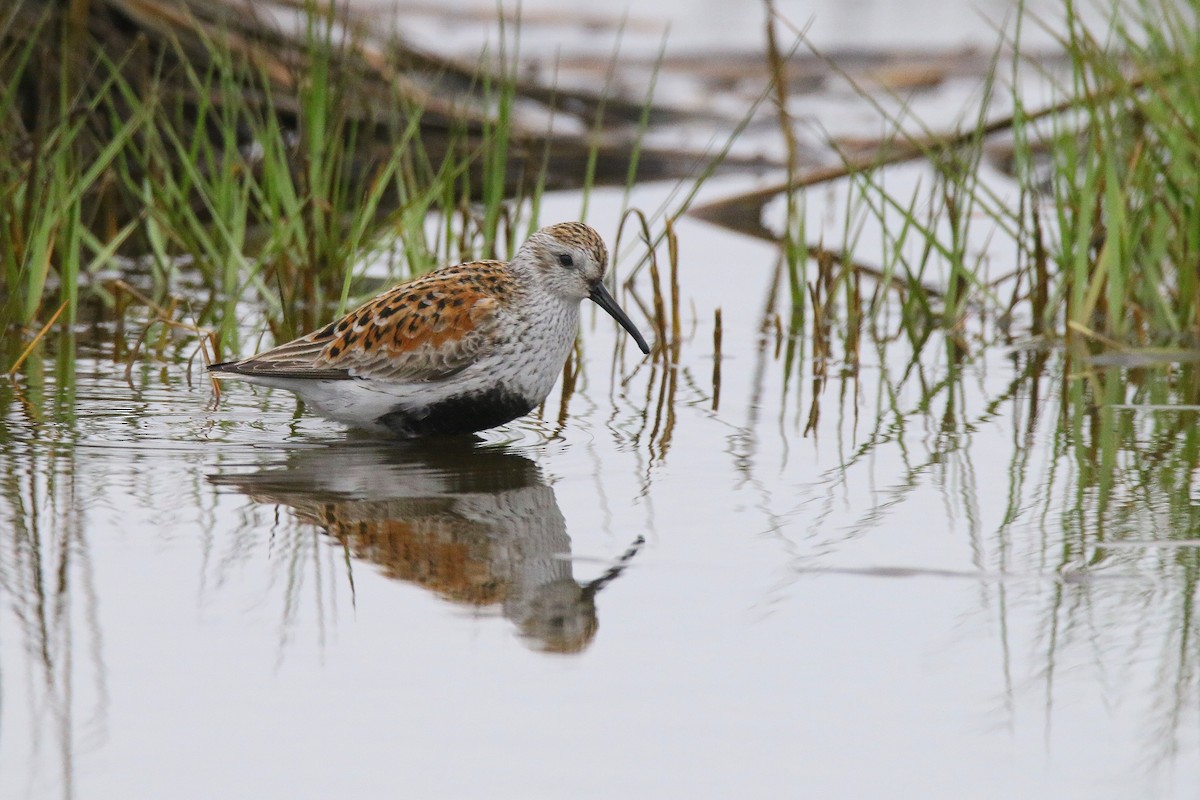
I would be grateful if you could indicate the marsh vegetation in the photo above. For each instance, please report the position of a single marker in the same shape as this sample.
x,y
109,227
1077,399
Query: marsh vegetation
x,y
918,431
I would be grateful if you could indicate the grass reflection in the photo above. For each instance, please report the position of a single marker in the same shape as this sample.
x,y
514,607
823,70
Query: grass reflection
x,y
1095,529
46,575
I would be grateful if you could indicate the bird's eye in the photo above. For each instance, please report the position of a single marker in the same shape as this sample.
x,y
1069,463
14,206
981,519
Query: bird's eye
x,y
566,260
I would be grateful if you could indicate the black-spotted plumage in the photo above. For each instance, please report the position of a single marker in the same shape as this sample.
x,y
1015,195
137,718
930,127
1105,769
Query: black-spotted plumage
x,y
461,349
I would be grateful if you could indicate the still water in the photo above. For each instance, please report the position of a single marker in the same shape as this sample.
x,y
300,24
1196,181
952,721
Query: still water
x,y
940,572
758,565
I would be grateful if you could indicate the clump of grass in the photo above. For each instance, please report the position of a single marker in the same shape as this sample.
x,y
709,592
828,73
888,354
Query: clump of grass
x,y
280,210
1125,170
1108,223
1101,230
52,168
188,154
185,143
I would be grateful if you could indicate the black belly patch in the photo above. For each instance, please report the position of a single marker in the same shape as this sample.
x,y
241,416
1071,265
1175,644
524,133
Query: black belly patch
x,y
466,413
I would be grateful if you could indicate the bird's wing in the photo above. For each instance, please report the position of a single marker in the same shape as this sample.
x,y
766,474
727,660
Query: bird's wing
x,y
423,330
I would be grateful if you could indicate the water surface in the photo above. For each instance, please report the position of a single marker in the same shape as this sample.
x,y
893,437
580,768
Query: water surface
x,y
964,570
873,562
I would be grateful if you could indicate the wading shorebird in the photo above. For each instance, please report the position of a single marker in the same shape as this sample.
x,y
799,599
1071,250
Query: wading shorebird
x,y
461,349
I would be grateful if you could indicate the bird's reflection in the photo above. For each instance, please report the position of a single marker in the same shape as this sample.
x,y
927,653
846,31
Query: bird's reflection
x,y
476,525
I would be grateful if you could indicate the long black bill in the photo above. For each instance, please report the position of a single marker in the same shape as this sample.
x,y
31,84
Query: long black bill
x,y
600,296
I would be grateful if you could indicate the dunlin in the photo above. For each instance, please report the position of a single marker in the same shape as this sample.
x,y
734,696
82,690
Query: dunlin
x,y
461,349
